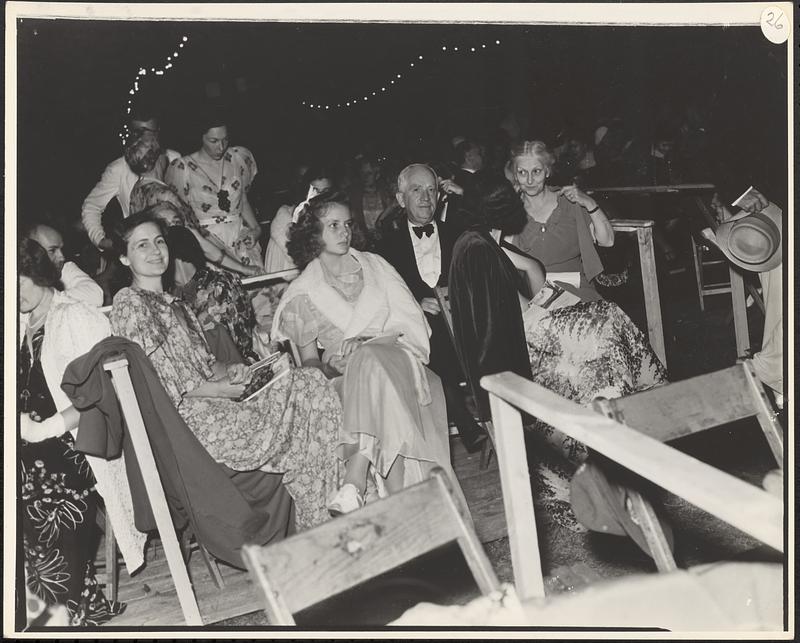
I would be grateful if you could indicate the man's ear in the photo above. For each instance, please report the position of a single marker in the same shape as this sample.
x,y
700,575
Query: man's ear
x,y
400,199
124,260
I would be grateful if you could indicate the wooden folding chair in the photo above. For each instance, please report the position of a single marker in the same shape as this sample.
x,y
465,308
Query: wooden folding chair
x,y
325,561
443,297
643,229
123,386
738,503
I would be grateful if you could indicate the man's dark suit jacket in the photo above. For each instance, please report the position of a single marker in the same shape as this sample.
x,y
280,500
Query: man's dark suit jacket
x,y
398,250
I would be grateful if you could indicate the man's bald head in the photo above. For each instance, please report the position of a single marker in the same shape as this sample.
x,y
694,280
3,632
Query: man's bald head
x,y
51,240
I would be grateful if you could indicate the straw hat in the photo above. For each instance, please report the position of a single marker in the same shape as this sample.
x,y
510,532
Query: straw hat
x,y
753,242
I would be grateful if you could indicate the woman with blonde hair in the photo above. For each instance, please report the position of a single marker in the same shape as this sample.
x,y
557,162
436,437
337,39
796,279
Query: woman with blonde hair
x,y
563,225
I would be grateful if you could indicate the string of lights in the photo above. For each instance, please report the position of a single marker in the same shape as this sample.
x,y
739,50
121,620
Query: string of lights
x,y
392,81
140,75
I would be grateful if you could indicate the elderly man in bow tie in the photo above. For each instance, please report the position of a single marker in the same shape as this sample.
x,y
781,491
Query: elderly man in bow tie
x,y
420,251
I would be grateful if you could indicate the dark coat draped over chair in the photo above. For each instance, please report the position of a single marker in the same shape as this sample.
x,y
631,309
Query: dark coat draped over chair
x,y
487,320
225,508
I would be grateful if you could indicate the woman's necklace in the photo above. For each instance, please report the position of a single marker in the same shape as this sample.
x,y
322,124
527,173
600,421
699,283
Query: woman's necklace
x,y
542,213
223,200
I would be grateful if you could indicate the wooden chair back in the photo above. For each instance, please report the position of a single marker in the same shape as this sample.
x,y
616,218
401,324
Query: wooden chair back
x,y
325,561
738,503
123,386
699,403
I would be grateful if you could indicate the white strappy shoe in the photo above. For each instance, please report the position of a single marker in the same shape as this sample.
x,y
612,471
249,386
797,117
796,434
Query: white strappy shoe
x,y
347,499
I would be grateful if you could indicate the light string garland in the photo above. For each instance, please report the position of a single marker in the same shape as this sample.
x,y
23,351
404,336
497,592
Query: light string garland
x,y
392,81
141,74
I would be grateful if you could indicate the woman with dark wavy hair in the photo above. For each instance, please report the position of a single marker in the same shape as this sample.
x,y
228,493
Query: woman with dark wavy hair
x,y
395,422
292,427
143,156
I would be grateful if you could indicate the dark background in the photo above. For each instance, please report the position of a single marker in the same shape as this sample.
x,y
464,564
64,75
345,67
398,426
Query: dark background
x,y
74,77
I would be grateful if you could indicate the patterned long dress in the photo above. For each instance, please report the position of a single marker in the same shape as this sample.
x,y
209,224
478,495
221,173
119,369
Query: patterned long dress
x,y
589,350
581,352
290,428
217,197
57,506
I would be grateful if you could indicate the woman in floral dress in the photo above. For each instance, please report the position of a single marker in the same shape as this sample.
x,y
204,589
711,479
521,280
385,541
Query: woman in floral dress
x,y
215,296
214,181
143,156
292,427
57,502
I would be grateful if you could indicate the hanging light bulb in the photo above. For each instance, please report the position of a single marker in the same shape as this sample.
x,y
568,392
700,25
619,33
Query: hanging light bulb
x,y
185,38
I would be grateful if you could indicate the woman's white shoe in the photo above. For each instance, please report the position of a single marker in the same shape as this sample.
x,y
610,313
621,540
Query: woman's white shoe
x,y
347,499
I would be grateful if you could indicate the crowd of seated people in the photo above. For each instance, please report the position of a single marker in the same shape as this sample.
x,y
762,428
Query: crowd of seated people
x,y
366,411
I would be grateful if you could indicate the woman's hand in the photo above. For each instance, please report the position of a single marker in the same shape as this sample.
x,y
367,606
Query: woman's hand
x,y
218,387
248,236
239,374
338,361
37,431
574,195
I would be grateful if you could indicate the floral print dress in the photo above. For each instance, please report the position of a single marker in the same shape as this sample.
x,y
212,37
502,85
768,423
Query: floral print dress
x,y
217,197
292,427
57,506
581,352
218,297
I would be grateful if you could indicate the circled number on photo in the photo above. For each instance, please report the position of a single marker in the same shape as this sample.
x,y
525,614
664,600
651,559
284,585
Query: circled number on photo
x,y
775,25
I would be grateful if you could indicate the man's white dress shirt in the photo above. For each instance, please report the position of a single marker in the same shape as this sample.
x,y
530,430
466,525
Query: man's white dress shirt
x,y
428,253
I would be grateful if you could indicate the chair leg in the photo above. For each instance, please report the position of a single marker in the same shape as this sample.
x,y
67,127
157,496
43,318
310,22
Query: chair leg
x,y
767,418
212,567
487,450
698,271
643,515
110,548
112,570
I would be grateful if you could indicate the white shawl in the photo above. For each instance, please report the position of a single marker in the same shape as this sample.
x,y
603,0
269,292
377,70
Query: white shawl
x,y
385,305
71,329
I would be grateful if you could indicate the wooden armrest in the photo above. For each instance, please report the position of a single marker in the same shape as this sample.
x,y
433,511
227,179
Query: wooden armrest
x,y
630,225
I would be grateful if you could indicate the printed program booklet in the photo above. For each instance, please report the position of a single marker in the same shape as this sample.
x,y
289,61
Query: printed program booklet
x,y
265,373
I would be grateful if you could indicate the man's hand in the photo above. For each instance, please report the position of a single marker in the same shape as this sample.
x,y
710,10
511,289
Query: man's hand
x,y
448,186
430,305
753,201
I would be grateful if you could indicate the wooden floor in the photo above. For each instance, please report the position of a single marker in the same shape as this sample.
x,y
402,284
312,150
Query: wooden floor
x,y
150,594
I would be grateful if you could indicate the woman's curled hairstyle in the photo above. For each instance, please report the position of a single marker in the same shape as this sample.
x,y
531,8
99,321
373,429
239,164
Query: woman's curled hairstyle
x,y
35,264
142,153
305,235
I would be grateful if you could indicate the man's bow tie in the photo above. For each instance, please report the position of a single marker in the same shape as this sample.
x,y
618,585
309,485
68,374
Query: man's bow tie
x,y
419,230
